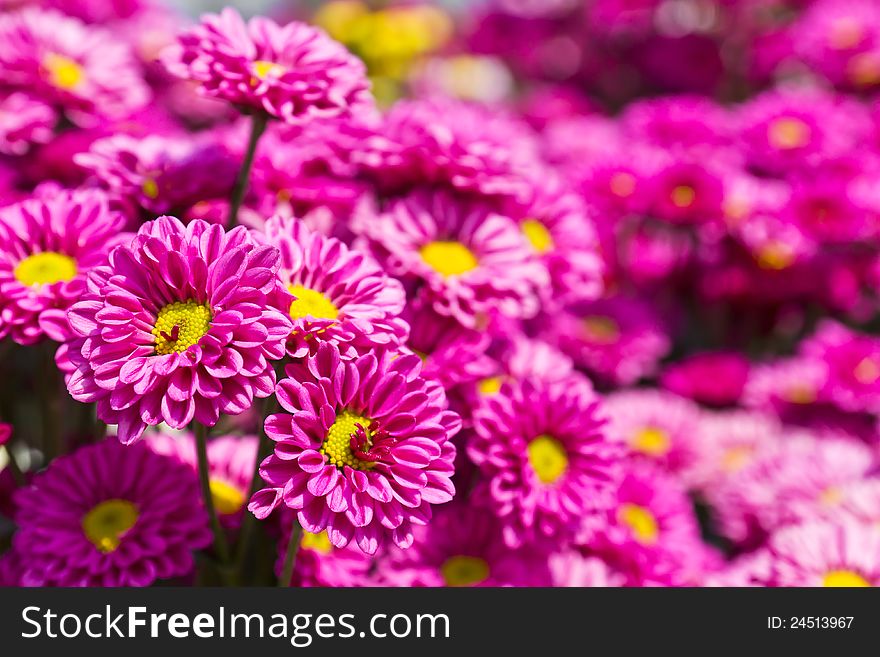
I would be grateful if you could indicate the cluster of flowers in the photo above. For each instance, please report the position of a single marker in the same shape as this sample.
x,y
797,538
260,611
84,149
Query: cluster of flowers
x,y
446,344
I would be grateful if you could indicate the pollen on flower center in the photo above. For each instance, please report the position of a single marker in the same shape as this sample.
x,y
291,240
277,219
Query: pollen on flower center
x,y
227,498
867,372
548,458
45,268
63,72
800,394
603,330
640,521
736,457
107,523
337,445
537,235
683,196
490,386
180,325
844,578
464,571
311,303
150,188
622,184
264,68
651,441
449,258
319,542
787,133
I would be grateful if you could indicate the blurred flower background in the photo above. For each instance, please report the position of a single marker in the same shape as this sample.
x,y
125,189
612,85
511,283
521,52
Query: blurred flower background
x,y
486,292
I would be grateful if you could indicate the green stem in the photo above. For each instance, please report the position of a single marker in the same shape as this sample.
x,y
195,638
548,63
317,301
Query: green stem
x,y
249,522
220,546
258,126
290,556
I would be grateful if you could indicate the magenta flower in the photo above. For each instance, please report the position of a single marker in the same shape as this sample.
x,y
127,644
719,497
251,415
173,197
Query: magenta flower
x,y
340,295
442,141
181,325
48,246
81,69
470,260
24,121
845,554
545,460
692,124
231,462
109,515
620,338
362,450
572,569
293,72
651,532
160,173
655,426
686,192
320,563
462,547
715,378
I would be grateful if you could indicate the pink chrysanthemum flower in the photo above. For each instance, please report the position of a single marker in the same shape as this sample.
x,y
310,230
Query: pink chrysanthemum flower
x,y
560,231
160,173
784,482
340,295
460,547
362,450
655,426
109,515
293,72
853,361
48,246
728,442
320,563
791,129
83,70
714,377
845,554
797,381
471,260
572,569
652,532
544,458
449,142
231,462
181,326
684,123
620,338
859,500
24,121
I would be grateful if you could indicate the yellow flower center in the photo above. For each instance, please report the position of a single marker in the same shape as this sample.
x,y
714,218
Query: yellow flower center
x,y
490,386
311,303
449,258
787,133
227,498
63,72
319,542
775,256
864,69
150,188
548,458
800,394
622,184
264,68
844,578
180,325
106,524
651,441
464,571
337,445
683,196
867,372
537,235
603,330
831,496
640,521
736,457
45,268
